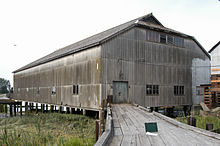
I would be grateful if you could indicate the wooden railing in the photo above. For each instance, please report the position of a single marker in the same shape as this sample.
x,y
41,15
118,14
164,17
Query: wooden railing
x,y
106,136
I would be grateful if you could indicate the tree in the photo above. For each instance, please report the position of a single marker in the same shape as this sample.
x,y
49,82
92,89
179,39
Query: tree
x,y
4,86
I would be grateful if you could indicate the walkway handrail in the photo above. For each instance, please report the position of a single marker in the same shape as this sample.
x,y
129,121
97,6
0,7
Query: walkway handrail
x,y
184,126
188,127
102,141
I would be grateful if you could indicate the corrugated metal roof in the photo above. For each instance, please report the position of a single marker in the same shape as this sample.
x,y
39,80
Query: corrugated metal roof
x,y
101,38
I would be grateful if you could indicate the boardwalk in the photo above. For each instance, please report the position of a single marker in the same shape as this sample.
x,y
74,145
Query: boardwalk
x,y
128,123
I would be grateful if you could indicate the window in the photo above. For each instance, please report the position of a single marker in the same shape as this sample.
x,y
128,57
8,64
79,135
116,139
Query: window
x,y
199,90
178,41
163,38
19,89
152,89
54,90
152,36
149,89
27,89
76,89
169,40
178,90
38,90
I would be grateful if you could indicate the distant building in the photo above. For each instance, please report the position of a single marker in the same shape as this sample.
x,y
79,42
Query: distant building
x,y
213,98
140,61
215,59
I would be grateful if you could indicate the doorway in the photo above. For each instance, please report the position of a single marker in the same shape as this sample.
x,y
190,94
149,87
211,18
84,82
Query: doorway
x,y
120,92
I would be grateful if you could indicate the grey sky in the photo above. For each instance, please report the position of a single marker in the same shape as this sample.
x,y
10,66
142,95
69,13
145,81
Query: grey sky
x,y
30,29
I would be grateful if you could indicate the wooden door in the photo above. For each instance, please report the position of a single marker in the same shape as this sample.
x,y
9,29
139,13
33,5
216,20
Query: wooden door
x,y
120,92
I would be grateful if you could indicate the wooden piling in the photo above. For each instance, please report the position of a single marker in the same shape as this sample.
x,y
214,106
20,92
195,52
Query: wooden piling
x,y
26,107
1,108
15,109
10,110
97,129
51,108
67,110
21,108
209,126
6,108
192,121
30,107
101,123
46,107
84,112
36,108
60,109
42,108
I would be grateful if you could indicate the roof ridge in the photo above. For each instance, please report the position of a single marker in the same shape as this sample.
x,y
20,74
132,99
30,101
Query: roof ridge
x,y
213,48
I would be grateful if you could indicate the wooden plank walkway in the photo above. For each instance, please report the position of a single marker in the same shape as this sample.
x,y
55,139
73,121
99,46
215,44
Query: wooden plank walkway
x,y
129,130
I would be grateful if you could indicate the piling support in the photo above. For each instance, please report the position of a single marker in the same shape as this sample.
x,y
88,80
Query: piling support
x,y
6,108
101,123
42,108
21,108
26,107
46,108
1,108
17,106
15,109
30,107
51,108
67,110
60,109
10,106
84,112
36,108
97,129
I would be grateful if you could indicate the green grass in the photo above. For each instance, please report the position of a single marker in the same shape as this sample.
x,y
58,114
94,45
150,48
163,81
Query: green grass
x,y
202,121
47,129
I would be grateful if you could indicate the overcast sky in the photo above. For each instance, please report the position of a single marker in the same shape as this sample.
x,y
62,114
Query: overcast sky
x,y
30,29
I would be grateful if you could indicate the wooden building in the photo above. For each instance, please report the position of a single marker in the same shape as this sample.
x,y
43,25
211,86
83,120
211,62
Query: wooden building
x,y
140,61
214,96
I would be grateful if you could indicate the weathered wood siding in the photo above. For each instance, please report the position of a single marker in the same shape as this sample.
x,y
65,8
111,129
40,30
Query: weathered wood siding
x,y
130,57
82,68
215,61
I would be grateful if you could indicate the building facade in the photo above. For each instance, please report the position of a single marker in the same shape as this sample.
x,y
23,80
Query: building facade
x,y
212,98
140,62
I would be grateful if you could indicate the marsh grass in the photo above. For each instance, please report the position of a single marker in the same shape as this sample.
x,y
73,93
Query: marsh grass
x,y
47,129
202,121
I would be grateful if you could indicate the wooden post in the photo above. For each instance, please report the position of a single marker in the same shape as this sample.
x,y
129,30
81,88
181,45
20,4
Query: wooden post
x,y
209,126
17,106
21,108
42,108
51,108
192,121
10,106
1,108
6,108
36,108
30,107
26,107
46,107
60,109
97,129
67,110
101,123
84,112
15,109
